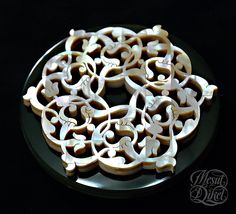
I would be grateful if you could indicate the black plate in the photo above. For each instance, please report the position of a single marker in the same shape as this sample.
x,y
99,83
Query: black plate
x,y
98,182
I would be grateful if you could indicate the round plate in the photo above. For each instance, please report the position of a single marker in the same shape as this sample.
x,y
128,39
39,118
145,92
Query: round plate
x,y
98,182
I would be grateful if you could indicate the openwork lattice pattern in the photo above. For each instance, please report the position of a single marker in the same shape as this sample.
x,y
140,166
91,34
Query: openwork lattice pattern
x,y
77,120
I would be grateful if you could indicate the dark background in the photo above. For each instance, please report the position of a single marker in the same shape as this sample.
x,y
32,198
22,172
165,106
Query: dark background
x,y
28,29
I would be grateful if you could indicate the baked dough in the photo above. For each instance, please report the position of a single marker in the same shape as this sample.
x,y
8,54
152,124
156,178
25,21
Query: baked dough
x,y
77,121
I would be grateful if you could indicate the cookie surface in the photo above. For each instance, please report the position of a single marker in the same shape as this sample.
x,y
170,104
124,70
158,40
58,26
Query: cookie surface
x,y
78,122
